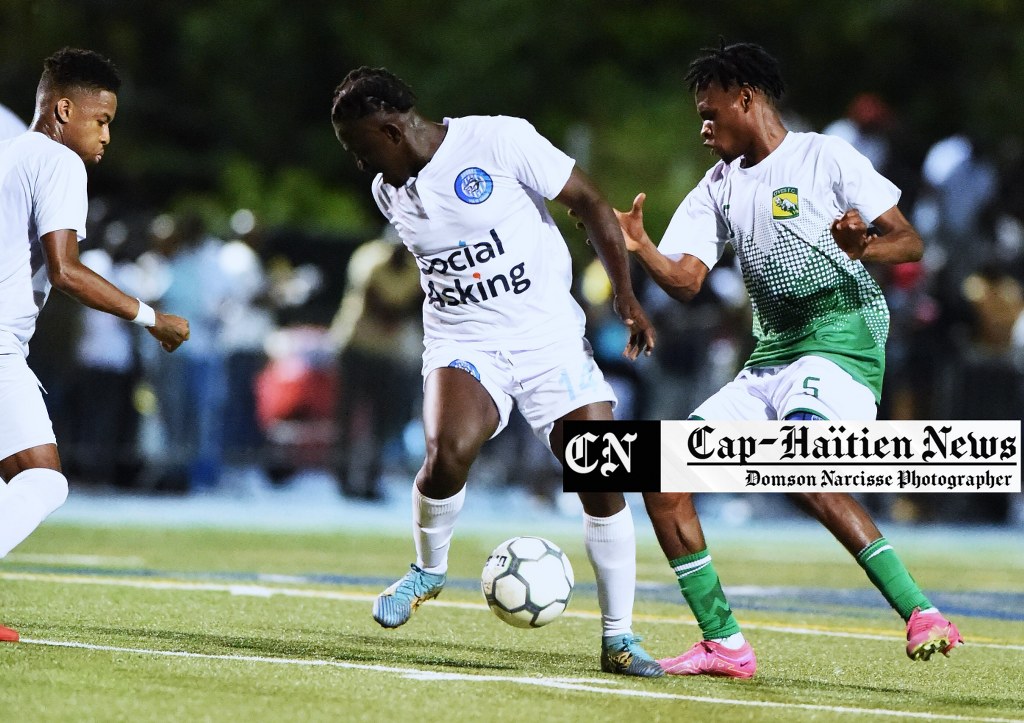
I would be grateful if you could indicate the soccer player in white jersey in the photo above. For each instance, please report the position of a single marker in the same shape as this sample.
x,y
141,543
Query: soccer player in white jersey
x,y
795,207
43,194
501,329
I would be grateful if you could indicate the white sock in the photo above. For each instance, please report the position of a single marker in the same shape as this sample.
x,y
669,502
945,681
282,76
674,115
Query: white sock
x,y
433,524
732,642
611,547
28,500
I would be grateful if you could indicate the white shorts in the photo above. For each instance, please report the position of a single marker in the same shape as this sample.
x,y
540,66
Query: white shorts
x,y
810,384
24,421
546,383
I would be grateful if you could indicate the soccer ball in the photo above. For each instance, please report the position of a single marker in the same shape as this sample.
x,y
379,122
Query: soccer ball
x,y
527,581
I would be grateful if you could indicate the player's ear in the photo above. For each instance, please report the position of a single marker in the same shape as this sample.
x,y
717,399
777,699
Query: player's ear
x,y
393,132
62,110
746,96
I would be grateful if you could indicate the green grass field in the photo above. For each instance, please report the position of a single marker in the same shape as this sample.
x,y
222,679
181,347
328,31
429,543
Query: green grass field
x,y
149,624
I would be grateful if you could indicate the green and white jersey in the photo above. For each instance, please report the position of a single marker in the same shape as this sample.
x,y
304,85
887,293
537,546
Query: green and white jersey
x,y
808,296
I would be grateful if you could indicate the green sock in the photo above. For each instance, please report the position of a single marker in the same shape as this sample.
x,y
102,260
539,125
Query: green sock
x,y
703,592
886,571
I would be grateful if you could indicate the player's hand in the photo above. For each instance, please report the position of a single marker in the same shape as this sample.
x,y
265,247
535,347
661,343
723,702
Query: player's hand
x,y
851,234
632,223
641,332
169,330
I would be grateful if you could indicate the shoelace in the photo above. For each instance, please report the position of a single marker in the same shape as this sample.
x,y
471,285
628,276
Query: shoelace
x,y
628,643
414,583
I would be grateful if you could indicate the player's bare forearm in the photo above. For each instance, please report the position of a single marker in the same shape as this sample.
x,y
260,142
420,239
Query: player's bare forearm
x,y
679,278
586,203
895,247
895,242
605,237
68,274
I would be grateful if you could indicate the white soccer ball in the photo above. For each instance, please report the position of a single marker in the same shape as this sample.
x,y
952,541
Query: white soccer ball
x,y
527,581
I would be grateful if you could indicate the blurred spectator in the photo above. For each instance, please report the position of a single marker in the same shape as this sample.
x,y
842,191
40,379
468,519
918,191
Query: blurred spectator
x,y
10,124
247,320
866,127
873,128
959,189
378,330
295,399
190,387
917,338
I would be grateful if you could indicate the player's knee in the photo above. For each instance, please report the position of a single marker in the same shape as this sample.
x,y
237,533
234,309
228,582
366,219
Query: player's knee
x,y
669,505
448,460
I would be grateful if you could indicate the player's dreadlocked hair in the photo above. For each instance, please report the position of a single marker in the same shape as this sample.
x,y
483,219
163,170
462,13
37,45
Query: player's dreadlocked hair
x,y
76,69
737,64
369,90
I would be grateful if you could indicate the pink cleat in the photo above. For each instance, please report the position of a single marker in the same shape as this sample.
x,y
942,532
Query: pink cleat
x,y
8,635
929,633
710,658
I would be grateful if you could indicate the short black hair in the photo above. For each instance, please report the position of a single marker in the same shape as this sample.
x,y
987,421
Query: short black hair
x,y
77,69
737,64
366,91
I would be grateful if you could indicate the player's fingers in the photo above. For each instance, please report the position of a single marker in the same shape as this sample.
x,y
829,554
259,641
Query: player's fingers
x,y
638,202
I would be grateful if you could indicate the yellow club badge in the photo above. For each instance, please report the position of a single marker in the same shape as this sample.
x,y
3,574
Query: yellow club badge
x,y
785,203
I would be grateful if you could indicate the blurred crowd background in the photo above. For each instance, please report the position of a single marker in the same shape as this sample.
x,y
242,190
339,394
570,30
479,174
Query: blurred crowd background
x,y
225,198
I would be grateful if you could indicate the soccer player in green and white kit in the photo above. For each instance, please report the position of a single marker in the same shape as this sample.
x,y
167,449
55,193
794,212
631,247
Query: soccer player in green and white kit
x,y
793,206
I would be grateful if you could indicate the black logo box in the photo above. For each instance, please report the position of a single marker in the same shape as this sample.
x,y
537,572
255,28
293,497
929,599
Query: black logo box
x,y
604,456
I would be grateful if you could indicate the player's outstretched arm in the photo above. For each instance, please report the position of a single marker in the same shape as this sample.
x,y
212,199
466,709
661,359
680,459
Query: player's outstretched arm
x,y
680,278
70,275
585,202
896,242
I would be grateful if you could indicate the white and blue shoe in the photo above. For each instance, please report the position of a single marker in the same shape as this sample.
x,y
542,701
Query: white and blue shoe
x,y
394,606
623,655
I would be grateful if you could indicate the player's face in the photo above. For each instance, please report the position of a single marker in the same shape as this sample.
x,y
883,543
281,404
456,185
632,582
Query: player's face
x,y
377,148
86,123
723,121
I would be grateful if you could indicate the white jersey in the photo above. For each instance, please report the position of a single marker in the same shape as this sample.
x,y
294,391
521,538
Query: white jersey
x,y
495,269
808,296
42,189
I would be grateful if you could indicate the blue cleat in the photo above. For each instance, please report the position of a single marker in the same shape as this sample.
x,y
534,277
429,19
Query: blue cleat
x,y
623,655
394,606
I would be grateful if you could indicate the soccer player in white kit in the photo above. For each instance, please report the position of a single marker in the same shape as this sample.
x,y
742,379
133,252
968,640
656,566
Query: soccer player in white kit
x,y
467,196
793,206
44,200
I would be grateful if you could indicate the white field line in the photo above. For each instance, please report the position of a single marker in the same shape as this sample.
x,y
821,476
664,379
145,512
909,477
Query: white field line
x,y
264,591
583,686
91,560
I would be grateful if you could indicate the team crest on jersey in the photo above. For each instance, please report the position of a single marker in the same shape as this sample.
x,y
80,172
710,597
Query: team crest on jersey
x,y
785,203
474,185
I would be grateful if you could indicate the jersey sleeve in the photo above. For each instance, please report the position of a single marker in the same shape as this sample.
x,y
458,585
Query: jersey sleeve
x,y
696,228
60,197
857,184
533,159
